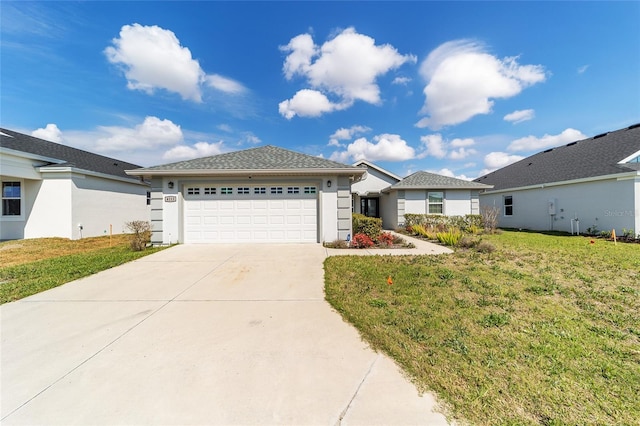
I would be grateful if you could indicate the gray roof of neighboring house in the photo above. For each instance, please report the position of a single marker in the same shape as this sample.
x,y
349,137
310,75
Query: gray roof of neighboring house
x,y
426,180
596,156
266,158
63,155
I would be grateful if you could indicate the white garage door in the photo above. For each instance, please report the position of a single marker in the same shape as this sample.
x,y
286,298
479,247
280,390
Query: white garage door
x,y
227,214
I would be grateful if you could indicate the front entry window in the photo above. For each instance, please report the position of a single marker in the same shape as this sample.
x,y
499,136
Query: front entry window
x,y
369,207
11,198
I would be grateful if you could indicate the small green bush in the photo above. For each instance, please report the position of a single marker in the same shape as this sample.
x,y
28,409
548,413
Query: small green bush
x,y
370,226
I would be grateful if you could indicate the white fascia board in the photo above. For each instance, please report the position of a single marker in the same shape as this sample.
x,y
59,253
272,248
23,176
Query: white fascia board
x,y
249,172
66,169
30,156
617,176
629,158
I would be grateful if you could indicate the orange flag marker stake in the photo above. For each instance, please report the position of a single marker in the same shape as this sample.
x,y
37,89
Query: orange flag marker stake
x,y
613,235
389,281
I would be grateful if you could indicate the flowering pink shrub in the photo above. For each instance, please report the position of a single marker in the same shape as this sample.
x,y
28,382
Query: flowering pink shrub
x,y
385,239
361,241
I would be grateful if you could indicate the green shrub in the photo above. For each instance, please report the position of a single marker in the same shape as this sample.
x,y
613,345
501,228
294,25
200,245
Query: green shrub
x,y
450,238
370,226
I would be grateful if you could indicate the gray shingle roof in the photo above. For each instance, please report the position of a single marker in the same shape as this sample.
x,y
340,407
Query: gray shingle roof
x,y
426,180
262,158
596,156
65,156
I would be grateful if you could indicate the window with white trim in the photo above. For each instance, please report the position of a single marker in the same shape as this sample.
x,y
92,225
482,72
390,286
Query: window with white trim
x,y
508,205
259,190
226,190
209,191
310,190
276,190
11,199
435,203
243,190
193,191
293,190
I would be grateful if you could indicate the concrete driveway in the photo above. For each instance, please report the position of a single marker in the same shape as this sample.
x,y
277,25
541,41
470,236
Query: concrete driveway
x,y
209,335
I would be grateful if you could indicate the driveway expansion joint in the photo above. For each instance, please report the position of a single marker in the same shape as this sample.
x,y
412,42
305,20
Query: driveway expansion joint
x,y
355,394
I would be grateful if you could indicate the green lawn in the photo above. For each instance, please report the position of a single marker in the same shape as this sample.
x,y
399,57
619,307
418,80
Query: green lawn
x,y
40,264
545,330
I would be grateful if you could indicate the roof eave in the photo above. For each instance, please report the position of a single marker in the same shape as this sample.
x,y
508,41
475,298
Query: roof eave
x,y
69,169
249,172
617,176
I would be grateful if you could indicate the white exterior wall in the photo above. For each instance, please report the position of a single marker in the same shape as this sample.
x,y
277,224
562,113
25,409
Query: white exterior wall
x,y
374,183
389,210
415,201
457,202
334,205
605,204
50,214
102,206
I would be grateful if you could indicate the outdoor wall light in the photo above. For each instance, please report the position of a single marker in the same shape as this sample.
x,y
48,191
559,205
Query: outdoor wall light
x,y
328,184
170,184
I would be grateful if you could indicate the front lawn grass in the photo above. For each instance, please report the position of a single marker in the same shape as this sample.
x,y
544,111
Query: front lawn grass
x,y
544,330
30,266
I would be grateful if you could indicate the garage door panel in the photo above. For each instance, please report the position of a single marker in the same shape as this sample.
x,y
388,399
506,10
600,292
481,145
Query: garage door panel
x,y
252,217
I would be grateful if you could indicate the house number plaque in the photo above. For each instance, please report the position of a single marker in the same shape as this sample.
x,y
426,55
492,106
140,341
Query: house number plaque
x,y
170,199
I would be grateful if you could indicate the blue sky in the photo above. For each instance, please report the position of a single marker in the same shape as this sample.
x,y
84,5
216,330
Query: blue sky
x,y
457,88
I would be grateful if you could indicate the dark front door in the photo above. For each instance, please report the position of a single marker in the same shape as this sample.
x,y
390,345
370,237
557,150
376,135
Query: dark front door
x,y
369,207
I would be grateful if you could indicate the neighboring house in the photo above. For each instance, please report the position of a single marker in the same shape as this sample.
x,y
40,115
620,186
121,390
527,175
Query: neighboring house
x,y
265,194
385,195
53,190
590,185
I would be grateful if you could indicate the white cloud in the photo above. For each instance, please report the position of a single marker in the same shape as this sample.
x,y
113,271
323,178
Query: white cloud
x,y
533,143
225,128
450,173
385,147
463,79
346,134
456,149
251,138
199,149
519,116
152,58
150,134
583,69
307,103
346,66
224,84
49,133
461,153
434,145
496,160
459,143
401,80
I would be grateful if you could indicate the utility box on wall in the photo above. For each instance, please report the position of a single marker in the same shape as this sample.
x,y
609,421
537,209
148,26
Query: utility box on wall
x,y
552,206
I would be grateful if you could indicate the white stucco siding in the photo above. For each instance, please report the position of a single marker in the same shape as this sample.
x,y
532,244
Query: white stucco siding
x,y
415,201
374,182
457,202
102,206
50,208
603,205
389,210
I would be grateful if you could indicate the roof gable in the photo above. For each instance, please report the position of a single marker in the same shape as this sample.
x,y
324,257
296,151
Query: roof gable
x,y
426,180
60,155
600,155
370,165
266,158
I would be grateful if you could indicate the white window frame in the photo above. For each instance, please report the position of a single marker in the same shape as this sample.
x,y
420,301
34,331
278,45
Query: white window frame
x,y
9,218
244,190
193,190
276,190
259,190
310,190
226,190
441,203
209,190
293,190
